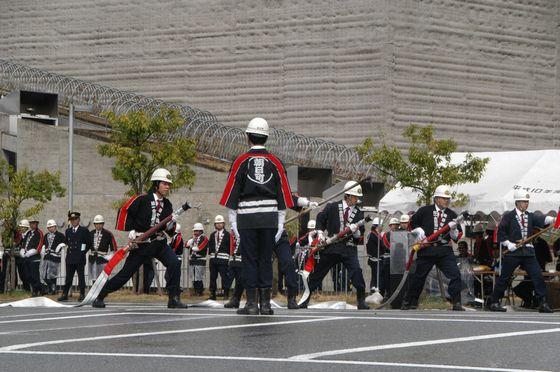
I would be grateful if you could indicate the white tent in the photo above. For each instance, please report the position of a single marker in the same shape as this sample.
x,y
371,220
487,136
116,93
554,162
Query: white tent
x,y
537,172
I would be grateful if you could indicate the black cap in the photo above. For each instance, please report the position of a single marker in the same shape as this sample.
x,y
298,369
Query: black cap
x,y
73,215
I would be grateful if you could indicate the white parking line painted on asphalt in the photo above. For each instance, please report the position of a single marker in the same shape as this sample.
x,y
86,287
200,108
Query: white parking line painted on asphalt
x,y
52,313
270,360
33,330
171,332
422,343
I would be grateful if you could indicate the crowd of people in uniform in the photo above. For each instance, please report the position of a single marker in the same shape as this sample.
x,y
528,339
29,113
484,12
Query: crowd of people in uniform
x,y
257,195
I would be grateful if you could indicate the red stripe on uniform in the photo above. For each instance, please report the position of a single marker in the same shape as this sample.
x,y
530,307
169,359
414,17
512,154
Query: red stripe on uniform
x,y
177,241
123,213
286,192
231,178
202,245
41,240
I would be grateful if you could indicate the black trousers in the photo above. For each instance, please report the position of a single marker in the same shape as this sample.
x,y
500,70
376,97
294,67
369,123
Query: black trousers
x,y
32,275
256,249
71,269
327,261
20,265
509,264
218,267
157,249
234,273
286,265
424,264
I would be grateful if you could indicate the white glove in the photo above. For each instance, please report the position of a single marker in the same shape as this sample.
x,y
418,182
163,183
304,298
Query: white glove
x,y
30,252
454,234
190,242
313,205
232,214
59,247
132,235
302,202
548,220
353,227
419,232
22,252
43,251
510,246
452,225
108,257
281,220
320,236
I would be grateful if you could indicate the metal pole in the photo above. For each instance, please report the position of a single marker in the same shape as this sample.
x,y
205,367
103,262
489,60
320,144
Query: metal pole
x,y
71,157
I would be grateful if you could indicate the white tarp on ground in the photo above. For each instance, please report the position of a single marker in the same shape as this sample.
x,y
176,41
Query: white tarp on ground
x,y
537,172
34,302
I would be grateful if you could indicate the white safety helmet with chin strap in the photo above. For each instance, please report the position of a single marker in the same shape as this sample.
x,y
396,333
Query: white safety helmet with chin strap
x,y
51,223
98,219
312,224
394,221
521,195
198,227
353,188
161,174
405,218
24,223
442,191
219,219
258,126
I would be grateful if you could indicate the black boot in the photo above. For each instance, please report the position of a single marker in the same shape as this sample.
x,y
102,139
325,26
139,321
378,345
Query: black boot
x,y
361,300
82,296
492,305
305,303
251,307
264,301
212,295
408,304
233,303
174,301
98,302
292,303
457,306
64,297
543,306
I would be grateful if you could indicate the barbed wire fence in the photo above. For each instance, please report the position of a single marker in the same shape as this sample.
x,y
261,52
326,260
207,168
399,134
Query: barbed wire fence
x,y
213,138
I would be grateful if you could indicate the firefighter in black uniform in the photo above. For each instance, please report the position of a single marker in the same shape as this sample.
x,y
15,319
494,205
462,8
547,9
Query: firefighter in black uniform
x,y
257,194
178,247
332,219
52,250
198,245
103,245
23,229
30,254
375,249
219,246
514,226
425,221
144,212
78,241
234,273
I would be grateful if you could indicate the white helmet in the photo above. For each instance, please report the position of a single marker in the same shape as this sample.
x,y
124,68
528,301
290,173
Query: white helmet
x,y
257,126
442,191
219,219
198,227
51,223
24,223
311,224
355,188
394,221
98,219
375,221
521,195
161,174
405,218
178,227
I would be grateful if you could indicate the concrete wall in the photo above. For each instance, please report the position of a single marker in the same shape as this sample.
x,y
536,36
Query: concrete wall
x,y
483,72
46,147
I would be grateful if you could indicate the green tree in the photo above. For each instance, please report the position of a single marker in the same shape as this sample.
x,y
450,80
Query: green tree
x,y
24,185
142,141
425,165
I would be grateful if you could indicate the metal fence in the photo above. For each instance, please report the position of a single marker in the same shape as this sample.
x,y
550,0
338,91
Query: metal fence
x,y
213,137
